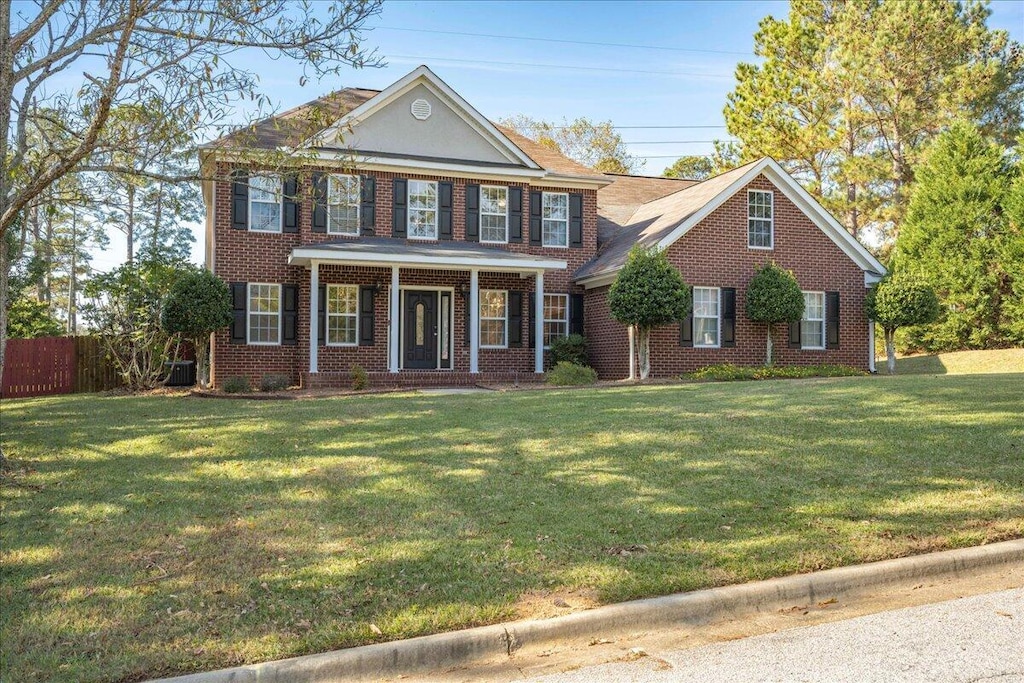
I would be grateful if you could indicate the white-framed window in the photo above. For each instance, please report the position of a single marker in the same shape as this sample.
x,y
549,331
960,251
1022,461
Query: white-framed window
x,y
265,200
760,219
493,213
812,325
493,318
706,317
343,204
555,219
342,315
422,210
264,313
556,317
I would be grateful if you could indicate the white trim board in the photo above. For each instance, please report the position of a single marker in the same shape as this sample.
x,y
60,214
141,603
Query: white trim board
x,y
302,256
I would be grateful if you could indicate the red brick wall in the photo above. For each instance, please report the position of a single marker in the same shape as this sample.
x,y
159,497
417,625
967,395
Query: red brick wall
x,y
243,256
714,253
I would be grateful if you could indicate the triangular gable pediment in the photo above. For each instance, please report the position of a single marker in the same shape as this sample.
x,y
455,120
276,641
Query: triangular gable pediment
x,y
788,185
421,117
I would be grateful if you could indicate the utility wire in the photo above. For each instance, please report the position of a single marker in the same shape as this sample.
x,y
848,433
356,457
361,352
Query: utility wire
x,y
568,42
422,59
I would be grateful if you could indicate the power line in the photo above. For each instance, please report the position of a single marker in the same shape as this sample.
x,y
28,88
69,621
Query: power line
x,y
568,42
603,69
666,142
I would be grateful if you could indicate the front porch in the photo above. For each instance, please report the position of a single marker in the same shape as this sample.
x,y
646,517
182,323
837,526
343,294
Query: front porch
x,y
424,302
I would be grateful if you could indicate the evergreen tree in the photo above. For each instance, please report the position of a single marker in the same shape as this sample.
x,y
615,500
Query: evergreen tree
x,y
773,297
848,94
691,167
955,236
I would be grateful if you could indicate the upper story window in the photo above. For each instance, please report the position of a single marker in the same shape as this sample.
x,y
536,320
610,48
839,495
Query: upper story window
x,y
342,315
760,219
265,198
264,319
706,317
493,213
422,210
556,317
493,318
812,325
343,204
555,215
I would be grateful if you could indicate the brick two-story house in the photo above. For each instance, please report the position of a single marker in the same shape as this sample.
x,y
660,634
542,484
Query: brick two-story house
x,y
401,231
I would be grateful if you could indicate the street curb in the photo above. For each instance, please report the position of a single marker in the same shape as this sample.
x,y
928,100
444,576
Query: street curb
x,y
444,650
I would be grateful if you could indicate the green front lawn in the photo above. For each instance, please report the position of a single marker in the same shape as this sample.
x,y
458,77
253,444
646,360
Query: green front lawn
x,y
960,363
159,535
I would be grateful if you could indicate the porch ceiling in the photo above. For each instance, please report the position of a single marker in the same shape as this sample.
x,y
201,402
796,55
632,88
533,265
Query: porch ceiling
x,y
387,251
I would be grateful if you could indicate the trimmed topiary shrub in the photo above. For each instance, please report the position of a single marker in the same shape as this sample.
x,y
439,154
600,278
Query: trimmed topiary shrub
x,y
274,382
360,379
570,374
571,349
237,385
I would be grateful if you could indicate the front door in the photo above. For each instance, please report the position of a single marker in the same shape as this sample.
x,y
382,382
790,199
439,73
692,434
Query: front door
x,y
420,330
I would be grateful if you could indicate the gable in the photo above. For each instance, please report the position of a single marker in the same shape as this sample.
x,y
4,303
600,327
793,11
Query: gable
x,y
443,134
664,221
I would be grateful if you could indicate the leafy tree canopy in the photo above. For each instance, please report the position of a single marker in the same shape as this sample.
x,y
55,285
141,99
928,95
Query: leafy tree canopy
x,y
198,304
649,291
27,319
595,145
774,296
691,167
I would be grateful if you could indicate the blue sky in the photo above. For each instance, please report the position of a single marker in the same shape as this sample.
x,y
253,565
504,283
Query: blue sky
x,y
645,64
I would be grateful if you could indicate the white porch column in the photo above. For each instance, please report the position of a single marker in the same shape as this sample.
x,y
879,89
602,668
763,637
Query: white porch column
x,y
474,321
538,324
314,309
393,313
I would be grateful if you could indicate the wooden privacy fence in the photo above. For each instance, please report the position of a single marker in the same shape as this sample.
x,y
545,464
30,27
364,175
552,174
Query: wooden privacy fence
x,y
55,365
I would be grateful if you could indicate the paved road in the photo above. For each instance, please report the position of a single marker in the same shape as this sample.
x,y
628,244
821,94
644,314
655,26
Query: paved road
x,y
979,638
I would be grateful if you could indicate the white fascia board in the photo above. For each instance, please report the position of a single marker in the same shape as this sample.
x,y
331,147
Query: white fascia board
x,y
428,78
418,166
599,280
871,278
303,255
796,194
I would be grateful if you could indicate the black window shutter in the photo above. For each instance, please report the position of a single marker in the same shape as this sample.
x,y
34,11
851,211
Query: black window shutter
x,y
686,325
576,220
239,302
515,214
472,213
366,316
529,317
794,334
832,320
535,219
575,314
444,210
367,205
399,199
467,322
321,315
728,316
515,318
290,222
319,222
240,201
289,315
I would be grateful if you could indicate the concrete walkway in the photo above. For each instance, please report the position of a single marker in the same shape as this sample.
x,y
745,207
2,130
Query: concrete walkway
x,y
979,638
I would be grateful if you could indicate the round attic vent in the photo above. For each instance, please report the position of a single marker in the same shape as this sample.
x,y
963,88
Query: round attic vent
x,y
421,110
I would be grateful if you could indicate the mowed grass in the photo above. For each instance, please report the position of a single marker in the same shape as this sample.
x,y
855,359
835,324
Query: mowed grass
x,y
160,535
960,363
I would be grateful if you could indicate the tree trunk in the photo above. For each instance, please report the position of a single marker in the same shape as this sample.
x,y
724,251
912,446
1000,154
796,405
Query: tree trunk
x,y
644,351
768,349
202,346
72,281
129,226
890,351
632,353
5,268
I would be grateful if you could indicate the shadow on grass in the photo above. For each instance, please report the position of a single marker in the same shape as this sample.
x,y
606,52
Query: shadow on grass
x,y
174,534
